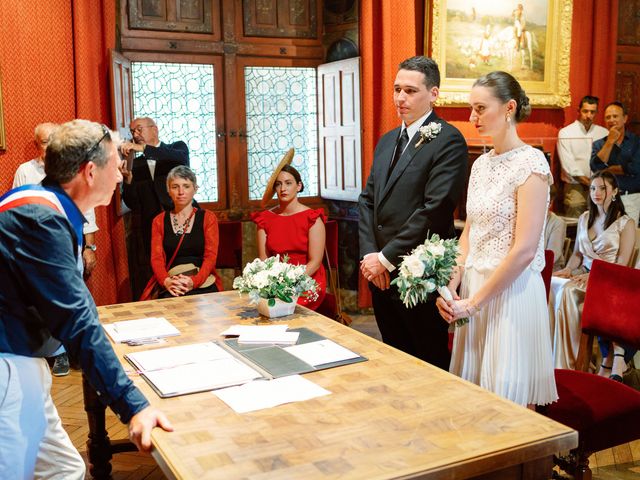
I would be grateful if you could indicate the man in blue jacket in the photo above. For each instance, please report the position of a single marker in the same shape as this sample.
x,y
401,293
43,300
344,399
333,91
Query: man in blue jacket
x,y
45,303
619,153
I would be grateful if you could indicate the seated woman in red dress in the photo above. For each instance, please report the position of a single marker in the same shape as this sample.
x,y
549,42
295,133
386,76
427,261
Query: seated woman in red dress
x,y
192,271
292,228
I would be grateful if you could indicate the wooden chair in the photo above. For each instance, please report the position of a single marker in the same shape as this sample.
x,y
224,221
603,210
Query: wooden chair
x,y
566,249
635,257
331,306
604,412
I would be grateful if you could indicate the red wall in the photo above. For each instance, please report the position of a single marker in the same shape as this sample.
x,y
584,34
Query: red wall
x,y
36,60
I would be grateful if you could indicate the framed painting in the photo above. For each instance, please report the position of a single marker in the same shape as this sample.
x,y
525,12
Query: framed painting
x,y
3,144
531,40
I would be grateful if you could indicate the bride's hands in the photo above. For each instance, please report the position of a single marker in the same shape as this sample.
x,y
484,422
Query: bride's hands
x,y
455,309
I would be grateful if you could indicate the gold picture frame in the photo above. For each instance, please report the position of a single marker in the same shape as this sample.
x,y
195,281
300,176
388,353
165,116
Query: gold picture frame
x,y
3,144
531,40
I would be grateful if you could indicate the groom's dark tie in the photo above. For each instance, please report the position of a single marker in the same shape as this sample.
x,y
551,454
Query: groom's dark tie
x,y
400,146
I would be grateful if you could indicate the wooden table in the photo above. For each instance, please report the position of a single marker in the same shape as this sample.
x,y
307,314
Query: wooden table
x,y
393,416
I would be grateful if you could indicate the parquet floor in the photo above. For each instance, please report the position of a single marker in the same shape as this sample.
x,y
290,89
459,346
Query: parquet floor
x,y
620,463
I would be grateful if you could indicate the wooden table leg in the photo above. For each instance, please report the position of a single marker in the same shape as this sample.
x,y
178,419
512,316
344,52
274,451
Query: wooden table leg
x,y
98,444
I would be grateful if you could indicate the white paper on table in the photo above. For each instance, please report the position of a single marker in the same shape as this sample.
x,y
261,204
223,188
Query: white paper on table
x,y
152,327
320,352
198,377
237,330
266,394
282,338
161,358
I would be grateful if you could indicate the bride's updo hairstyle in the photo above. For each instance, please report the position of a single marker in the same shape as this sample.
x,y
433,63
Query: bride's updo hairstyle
x,y
505,87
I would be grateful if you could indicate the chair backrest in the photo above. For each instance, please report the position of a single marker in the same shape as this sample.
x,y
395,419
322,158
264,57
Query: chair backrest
x,y
634,261
547,270
566,249
612,303
229,245
331,242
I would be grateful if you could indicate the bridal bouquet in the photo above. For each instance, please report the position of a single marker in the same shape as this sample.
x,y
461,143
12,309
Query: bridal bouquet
x,y
275,278
426,269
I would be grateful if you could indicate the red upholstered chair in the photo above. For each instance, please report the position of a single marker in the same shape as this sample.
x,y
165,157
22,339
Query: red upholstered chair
x,y
604,412
229,245
547,271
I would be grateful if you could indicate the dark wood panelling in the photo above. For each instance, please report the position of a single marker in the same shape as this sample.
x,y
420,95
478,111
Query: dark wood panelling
x,y
627,88
628,61
629,22
280,18
171,19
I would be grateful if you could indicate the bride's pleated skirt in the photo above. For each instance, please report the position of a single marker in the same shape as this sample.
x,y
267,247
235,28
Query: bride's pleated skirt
x,y
506,346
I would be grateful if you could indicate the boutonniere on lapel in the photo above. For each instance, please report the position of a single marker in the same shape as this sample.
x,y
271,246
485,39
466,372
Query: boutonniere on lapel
x,y
428,133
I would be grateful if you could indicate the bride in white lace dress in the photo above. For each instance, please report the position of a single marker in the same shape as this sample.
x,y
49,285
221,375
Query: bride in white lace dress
x,y
506,346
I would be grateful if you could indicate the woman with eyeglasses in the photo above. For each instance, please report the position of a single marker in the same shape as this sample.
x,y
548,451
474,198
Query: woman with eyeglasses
x,y
187,235
605,232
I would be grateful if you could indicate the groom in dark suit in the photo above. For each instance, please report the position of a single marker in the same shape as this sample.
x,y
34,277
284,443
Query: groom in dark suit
x,y
413,188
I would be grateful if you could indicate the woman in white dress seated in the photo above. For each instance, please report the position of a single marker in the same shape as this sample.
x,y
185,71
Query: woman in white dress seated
x,y
505,347
605,233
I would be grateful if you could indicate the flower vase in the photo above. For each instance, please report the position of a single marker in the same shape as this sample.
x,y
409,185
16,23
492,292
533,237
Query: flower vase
x,y
280,309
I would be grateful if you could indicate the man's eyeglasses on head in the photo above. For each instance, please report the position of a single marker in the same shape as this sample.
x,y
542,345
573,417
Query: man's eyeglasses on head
x,y
105,134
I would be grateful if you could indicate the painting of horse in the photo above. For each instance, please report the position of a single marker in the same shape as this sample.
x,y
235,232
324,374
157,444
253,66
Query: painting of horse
x,y
500,35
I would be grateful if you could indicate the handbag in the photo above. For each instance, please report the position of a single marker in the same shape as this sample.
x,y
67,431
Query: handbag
x,y
191,270
152,290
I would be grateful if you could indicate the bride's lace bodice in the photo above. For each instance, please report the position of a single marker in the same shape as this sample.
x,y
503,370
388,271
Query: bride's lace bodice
x,y
492,205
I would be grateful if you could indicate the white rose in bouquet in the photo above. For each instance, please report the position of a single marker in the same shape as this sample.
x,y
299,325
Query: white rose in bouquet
x,y
414,266
436,249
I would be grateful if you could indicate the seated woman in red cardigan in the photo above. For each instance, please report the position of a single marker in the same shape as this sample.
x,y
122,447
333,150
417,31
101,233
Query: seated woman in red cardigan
x,y
291,228
193,232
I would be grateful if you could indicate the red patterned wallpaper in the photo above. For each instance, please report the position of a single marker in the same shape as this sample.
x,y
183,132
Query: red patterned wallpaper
x,y
42,82
36,59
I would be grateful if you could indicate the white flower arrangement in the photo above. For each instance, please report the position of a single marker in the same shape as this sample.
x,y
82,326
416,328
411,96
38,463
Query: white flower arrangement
x,y
428,132
274,278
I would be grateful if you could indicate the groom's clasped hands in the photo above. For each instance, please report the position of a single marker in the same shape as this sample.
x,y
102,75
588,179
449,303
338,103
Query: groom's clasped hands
x,y
374,271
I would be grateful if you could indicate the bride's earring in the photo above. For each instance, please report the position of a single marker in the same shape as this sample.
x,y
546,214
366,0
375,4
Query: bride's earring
x,y
508,118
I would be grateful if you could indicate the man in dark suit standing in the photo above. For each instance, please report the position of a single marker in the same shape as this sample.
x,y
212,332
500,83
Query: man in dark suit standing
x,y
144,190
413,188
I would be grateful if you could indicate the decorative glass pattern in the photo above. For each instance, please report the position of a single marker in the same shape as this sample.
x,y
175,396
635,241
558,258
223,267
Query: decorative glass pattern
x,y
281,113
180,98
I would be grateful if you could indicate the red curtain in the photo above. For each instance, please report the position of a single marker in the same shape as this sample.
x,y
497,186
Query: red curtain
x,y
94,28
391,31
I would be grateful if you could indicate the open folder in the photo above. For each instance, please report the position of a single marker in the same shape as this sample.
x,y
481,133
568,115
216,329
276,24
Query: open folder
x,y
206,366
191,368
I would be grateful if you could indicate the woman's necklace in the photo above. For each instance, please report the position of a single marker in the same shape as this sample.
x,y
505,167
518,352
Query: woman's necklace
x,y
176,223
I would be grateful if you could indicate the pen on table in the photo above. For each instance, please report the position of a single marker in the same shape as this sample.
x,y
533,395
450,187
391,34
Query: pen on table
x,y
142,341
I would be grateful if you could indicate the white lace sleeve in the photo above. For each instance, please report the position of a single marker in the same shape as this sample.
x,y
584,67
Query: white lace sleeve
x,y
534,162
